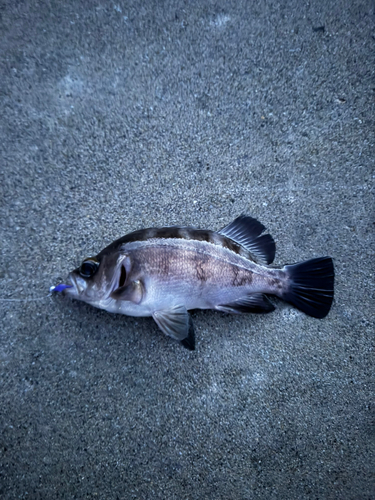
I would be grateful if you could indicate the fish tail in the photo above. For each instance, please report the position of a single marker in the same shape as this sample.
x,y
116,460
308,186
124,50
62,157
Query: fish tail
x,y
310,286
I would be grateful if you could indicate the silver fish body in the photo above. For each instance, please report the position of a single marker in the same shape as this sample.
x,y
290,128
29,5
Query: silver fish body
x,y
165,272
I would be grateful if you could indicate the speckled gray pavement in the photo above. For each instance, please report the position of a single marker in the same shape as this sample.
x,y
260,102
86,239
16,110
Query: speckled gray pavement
x,y
121,115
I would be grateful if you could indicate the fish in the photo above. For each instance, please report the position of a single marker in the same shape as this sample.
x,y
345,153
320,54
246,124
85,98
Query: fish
x,y
165,272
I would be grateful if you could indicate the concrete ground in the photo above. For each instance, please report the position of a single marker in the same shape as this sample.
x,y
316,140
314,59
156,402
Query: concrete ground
x,y
121,115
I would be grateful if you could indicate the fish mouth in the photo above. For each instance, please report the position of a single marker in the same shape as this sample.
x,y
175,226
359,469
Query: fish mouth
x,y
72,287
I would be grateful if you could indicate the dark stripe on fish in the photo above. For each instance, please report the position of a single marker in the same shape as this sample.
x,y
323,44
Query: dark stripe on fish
x,y
184,233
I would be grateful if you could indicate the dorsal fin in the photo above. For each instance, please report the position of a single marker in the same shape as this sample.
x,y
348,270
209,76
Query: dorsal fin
x,y
247,232
242,236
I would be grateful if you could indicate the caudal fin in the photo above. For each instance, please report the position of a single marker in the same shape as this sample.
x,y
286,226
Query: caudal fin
x,y
310,286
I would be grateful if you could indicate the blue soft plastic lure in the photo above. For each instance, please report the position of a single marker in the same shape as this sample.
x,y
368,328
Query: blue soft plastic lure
x,y
59,288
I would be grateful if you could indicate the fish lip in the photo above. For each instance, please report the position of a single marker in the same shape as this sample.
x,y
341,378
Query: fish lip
x,y
74,288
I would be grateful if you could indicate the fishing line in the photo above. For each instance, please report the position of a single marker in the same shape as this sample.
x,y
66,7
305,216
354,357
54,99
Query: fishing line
x,y
57,288
26,299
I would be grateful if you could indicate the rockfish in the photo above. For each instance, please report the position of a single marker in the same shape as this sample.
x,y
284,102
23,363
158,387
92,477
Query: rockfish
x,y
165,272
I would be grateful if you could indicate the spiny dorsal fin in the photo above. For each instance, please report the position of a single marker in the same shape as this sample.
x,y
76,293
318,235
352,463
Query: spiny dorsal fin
x,y
247,232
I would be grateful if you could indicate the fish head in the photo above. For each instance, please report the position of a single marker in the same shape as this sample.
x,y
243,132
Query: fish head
x,y
96,278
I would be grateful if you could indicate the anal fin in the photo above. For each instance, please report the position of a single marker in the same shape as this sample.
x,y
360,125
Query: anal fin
x,y
252,303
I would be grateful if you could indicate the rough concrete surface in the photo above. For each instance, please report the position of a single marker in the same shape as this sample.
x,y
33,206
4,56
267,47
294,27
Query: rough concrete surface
x,y
121,115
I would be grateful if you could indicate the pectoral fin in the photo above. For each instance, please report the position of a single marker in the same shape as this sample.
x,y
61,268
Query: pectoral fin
x,y
132,292
177,323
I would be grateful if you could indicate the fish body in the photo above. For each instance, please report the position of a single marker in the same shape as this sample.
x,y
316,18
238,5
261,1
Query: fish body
x,y
165,272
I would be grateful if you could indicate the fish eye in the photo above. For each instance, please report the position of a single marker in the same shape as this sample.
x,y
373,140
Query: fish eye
x,y
88,268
